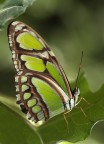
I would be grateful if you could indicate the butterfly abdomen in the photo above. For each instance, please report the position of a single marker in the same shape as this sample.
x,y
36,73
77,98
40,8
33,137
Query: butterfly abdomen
x,y
29,100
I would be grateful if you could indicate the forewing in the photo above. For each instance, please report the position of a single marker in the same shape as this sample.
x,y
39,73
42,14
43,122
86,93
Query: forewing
x,y
31,54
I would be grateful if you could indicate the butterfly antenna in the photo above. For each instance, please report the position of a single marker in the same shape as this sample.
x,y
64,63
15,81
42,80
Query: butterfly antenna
x,y
79,70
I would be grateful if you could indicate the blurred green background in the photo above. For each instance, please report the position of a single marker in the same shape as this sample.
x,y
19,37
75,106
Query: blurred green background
x,y
68,27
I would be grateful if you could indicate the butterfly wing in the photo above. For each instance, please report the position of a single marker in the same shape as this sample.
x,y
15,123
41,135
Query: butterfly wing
x,y
39,96
34,61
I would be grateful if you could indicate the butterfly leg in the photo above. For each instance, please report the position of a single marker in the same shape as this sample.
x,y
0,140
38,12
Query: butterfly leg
x,y
84,114
65,118
82,111
82,99
65,115
79,107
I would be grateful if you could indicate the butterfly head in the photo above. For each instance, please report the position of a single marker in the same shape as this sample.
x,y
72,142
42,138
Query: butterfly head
x,y
76,93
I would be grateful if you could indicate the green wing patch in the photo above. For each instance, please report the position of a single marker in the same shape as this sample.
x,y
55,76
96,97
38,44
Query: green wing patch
x,y
56,75
26,96
24,87
36,109
33,63
31,102
28,42
48,95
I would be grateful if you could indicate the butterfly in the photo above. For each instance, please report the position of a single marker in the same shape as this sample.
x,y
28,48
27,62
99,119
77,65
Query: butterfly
x,y
42,88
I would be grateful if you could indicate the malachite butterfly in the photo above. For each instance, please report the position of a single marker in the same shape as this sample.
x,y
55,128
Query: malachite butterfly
x,y
42,87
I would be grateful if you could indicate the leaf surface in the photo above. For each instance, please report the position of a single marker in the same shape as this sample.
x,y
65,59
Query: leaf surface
x,y
14,129
76,125
73,126
10,9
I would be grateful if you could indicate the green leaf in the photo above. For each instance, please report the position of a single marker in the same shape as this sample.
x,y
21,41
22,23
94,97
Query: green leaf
x,y
10,9
15,130
76,125
73,126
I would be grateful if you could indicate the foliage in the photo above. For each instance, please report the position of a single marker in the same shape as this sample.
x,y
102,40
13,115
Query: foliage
x,y
10,9
74,126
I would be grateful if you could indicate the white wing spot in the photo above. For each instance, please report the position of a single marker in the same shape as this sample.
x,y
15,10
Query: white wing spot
x,y
16,66
45,55
19,27
15,23
18,97
16,78
10,40
13,52
28,115
13,56
15,62
17,88
25,30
